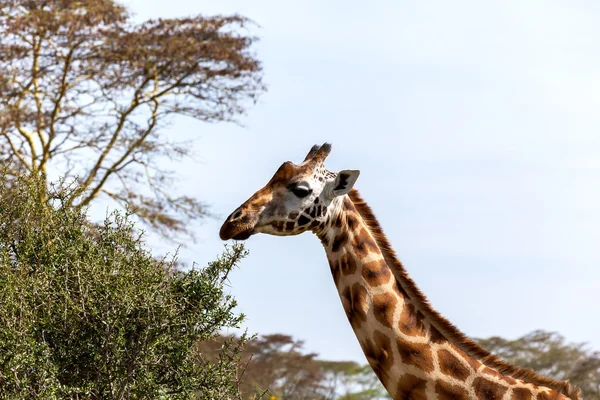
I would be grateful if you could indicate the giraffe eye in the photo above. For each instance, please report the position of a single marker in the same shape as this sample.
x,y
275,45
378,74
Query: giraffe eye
x,y
301,191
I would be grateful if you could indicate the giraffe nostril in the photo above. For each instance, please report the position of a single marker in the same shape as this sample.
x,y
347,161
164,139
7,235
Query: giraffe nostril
x,y
237,214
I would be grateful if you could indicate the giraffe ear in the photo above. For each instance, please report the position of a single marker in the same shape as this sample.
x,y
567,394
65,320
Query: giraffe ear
x,y
344,181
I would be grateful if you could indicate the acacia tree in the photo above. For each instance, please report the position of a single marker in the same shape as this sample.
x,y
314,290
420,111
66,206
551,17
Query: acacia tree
x,y
550,354
277,366
87,312
87,94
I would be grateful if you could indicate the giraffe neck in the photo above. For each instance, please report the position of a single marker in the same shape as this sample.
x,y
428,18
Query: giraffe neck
x,y
401,341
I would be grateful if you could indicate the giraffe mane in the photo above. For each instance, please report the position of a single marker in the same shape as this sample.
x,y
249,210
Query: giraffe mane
x,y
445,327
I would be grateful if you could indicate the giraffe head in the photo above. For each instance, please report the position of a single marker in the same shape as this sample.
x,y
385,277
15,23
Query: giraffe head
x,y
295,200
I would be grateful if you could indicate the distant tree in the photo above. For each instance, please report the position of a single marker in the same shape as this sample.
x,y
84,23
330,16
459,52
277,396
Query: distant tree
x,y
86,312
338,377
348,380
549,354
86,93
277,365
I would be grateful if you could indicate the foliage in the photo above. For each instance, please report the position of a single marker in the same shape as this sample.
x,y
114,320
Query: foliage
x,y
87,93
348,380
87,313
278,365
550,355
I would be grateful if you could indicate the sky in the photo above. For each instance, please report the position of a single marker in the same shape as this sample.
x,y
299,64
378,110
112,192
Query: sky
x,y
476,127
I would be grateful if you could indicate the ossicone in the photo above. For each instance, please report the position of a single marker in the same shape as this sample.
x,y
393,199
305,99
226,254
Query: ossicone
x,y
318,153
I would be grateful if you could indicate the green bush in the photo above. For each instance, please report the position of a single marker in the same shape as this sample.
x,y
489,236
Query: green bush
x,y
87,313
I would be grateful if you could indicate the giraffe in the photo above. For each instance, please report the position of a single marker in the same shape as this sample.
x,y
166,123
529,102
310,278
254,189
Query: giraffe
x,y
415,351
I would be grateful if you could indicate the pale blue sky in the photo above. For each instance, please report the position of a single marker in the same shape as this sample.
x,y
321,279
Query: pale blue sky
x,y
476,127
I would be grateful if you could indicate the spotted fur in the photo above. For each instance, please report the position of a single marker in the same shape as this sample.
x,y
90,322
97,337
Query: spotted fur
x,y
447,330
415,352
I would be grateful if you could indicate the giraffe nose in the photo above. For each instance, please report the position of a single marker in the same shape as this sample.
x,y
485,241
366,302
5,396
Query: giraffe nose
x,y
235,215
239,225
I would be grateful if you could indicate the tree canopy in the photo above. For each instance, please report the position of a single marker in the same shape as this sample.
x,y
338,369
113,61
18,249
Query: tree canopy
x,y
278,366
86,312
551,355
86,93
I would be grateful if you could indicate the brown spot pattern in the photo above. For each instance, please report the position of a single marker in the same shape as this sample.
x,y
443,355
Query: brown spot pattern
x,y
351,221
303,220
383,307
488,390
376,273
314,224
380,355
355,302
452,365
339,241
552,395
336,271
348,205
436,336
449,330
417,354
498,375
348,265
448,391
470,360
411,387
411,322
363,244
278,225
521,394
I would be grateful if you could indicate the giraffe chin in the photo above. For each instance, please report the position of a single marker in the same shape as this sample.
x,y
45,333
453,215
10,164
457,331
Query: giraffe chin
x,y
243,235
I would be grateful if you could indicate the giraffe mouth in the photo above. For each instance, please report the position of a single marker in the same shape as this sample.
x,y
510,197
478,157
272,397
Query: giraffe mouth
x,y
236,230
243,235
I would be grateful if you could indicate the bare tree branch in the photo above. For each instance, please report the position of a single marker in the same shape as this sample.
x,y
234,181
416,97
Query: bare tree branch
x,y
86,93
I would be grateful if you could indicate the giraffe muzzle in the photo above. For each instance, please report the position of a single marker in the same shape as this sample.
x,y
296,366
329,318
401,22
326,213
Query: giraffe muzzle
x,y
238,226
